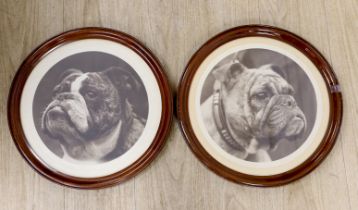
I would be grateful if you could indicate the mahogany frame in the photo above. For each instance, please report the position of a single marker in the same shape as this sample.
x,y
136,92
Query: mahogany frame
x,y
65,38
335,99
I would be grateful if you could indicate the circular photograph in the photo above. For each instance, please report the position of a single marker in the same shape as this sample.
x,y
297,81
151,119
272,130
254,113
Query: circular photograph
x,y
259,105
253,105
90,108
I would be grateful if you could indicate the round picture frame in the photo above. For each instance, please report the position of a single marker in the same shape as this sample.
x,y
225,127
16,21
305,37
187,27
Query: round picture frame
x,y
114,122
235,107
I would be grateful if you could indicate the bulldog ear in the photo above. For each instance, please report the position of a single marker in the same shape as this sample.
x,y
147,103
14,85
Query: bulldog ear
x,y
69,72
122,78
229,73
278,70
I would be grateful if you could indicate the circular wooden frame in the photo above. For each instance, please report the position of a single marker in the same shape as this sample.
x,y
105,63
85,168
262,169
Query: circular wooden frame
x,y
335,99
32,60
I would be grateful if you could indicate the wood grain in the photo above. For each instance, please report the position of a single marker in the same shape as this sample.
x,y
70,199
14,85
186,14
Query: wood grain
x,y
173,30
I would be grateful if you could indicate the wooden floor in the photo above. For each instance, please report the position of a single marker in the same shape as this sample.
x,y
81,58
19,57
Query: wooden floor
x,y
174,30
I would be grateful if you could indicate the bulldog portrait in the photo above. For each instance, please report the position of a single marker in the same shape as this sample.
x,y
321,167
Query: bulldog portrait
x,y
251,110
92,115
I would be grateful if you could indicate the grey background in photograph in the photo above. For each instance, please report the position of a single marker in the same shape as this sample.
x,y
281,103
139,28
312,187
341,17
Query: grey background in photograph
x,y
91,61
294,75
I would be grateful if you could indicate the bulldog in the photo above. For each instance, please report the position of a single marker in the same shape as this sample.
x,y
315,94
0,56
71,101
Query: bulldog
x,y
251,111
91,114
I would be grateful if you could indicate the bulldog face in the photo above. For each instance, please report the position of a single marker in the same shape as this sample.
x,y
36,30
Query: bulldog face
x,y
259,104
86,107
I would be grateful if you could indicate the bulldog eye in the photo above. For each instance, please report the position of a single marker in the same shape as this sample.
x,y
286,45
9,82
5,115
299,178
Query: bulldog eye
x,y
91,94
261,96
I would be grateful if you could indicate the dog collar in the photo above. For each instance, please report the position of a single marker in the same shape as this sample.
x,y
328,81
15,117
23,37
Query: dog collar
x,y
220,119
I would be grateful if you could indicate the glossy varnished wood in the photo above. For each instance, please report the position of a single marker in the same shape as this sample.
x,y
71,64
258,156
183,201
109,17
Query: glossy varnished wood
x,y
14,117
174,30
326,72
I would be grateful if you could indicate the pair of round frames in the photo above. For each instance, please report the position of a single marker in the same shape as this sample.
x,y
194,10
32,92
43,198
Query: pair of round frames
x,y
90,108
82,114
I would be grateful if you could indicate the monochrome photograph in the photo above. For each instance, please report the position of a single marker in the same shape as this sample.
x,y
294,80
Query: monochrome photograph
x,y
258,105
90,107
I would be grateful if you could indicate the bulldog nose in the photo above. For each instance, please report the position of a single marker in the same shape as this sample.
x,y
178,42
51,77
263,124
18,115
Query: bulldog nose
x,y
55,112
